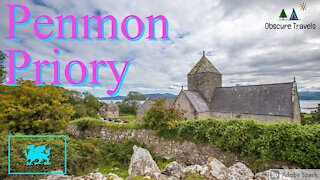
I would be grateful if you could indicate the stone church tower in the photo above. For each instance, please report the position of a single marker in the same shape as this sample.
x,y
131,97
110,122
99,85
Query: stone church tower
x,y
204,78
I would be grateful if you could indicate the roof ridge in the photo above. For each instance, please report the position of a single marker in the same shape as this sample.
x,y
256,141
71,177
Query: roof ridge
x,y
206,64
255,85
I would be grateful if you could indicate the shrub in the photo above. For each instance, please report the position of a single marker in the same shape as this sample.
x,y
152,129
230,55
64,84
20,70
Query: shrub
x,y
316,115
84,104
161,117
83,156
259,140
90,153
306,119
88,122
130,103
125,109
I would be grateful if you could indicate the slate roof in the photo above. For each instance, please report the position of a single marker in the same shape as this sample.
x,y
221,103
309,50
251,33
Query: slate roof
x,y
203,65
266,99
148,103
197,100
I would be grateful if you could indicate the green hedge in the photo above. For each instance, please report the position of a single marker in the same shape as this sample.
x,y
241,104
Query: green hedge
x,y
89,123
259,140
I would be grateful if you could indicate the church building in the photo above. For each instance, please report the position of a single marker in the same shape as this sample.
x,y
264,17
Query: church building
x,y
206,97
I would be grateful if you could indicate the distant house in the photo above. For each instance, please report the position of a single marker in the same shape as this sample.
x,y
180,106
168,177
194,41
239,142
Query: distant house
x,y
207,98
110,111
147,105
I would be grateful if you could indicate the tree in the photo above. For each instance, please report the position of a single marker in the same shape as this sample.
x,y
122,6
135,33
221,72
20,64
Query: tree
x,y
84,104
3,57
283,14
130,104
32,109
160,117
133,98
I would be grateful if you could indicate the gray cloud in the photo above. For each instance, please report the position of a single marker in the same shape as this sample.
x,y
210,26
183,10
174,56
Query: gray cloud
x,y
232,32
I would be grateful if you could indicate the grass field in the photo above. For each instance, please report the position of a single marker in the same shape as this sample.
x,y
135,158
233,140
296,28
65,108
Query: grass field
x,y
128,117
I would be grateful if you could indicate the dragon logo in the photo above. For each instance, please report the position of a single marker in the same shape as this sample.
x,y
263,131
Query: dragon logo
x,y
37,155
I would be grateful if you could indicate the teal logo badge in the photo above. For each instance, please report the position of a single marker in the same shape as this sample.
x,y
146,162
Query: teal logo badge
x,y
37,155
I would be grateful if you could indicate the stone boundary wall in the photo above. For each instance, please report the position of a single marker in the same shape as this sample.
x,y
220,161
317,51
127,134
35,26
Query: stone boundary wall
x,y
185,152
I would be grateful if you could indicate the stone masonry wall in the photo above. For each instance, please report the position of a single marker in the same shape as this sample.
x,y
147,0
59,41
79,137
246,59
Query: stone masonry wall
x,y
185,152
205,83
183,103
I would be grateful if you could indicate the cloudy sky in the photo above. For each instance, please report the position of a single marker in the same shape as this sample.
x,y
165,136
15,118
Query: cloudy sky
x,y
231,32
